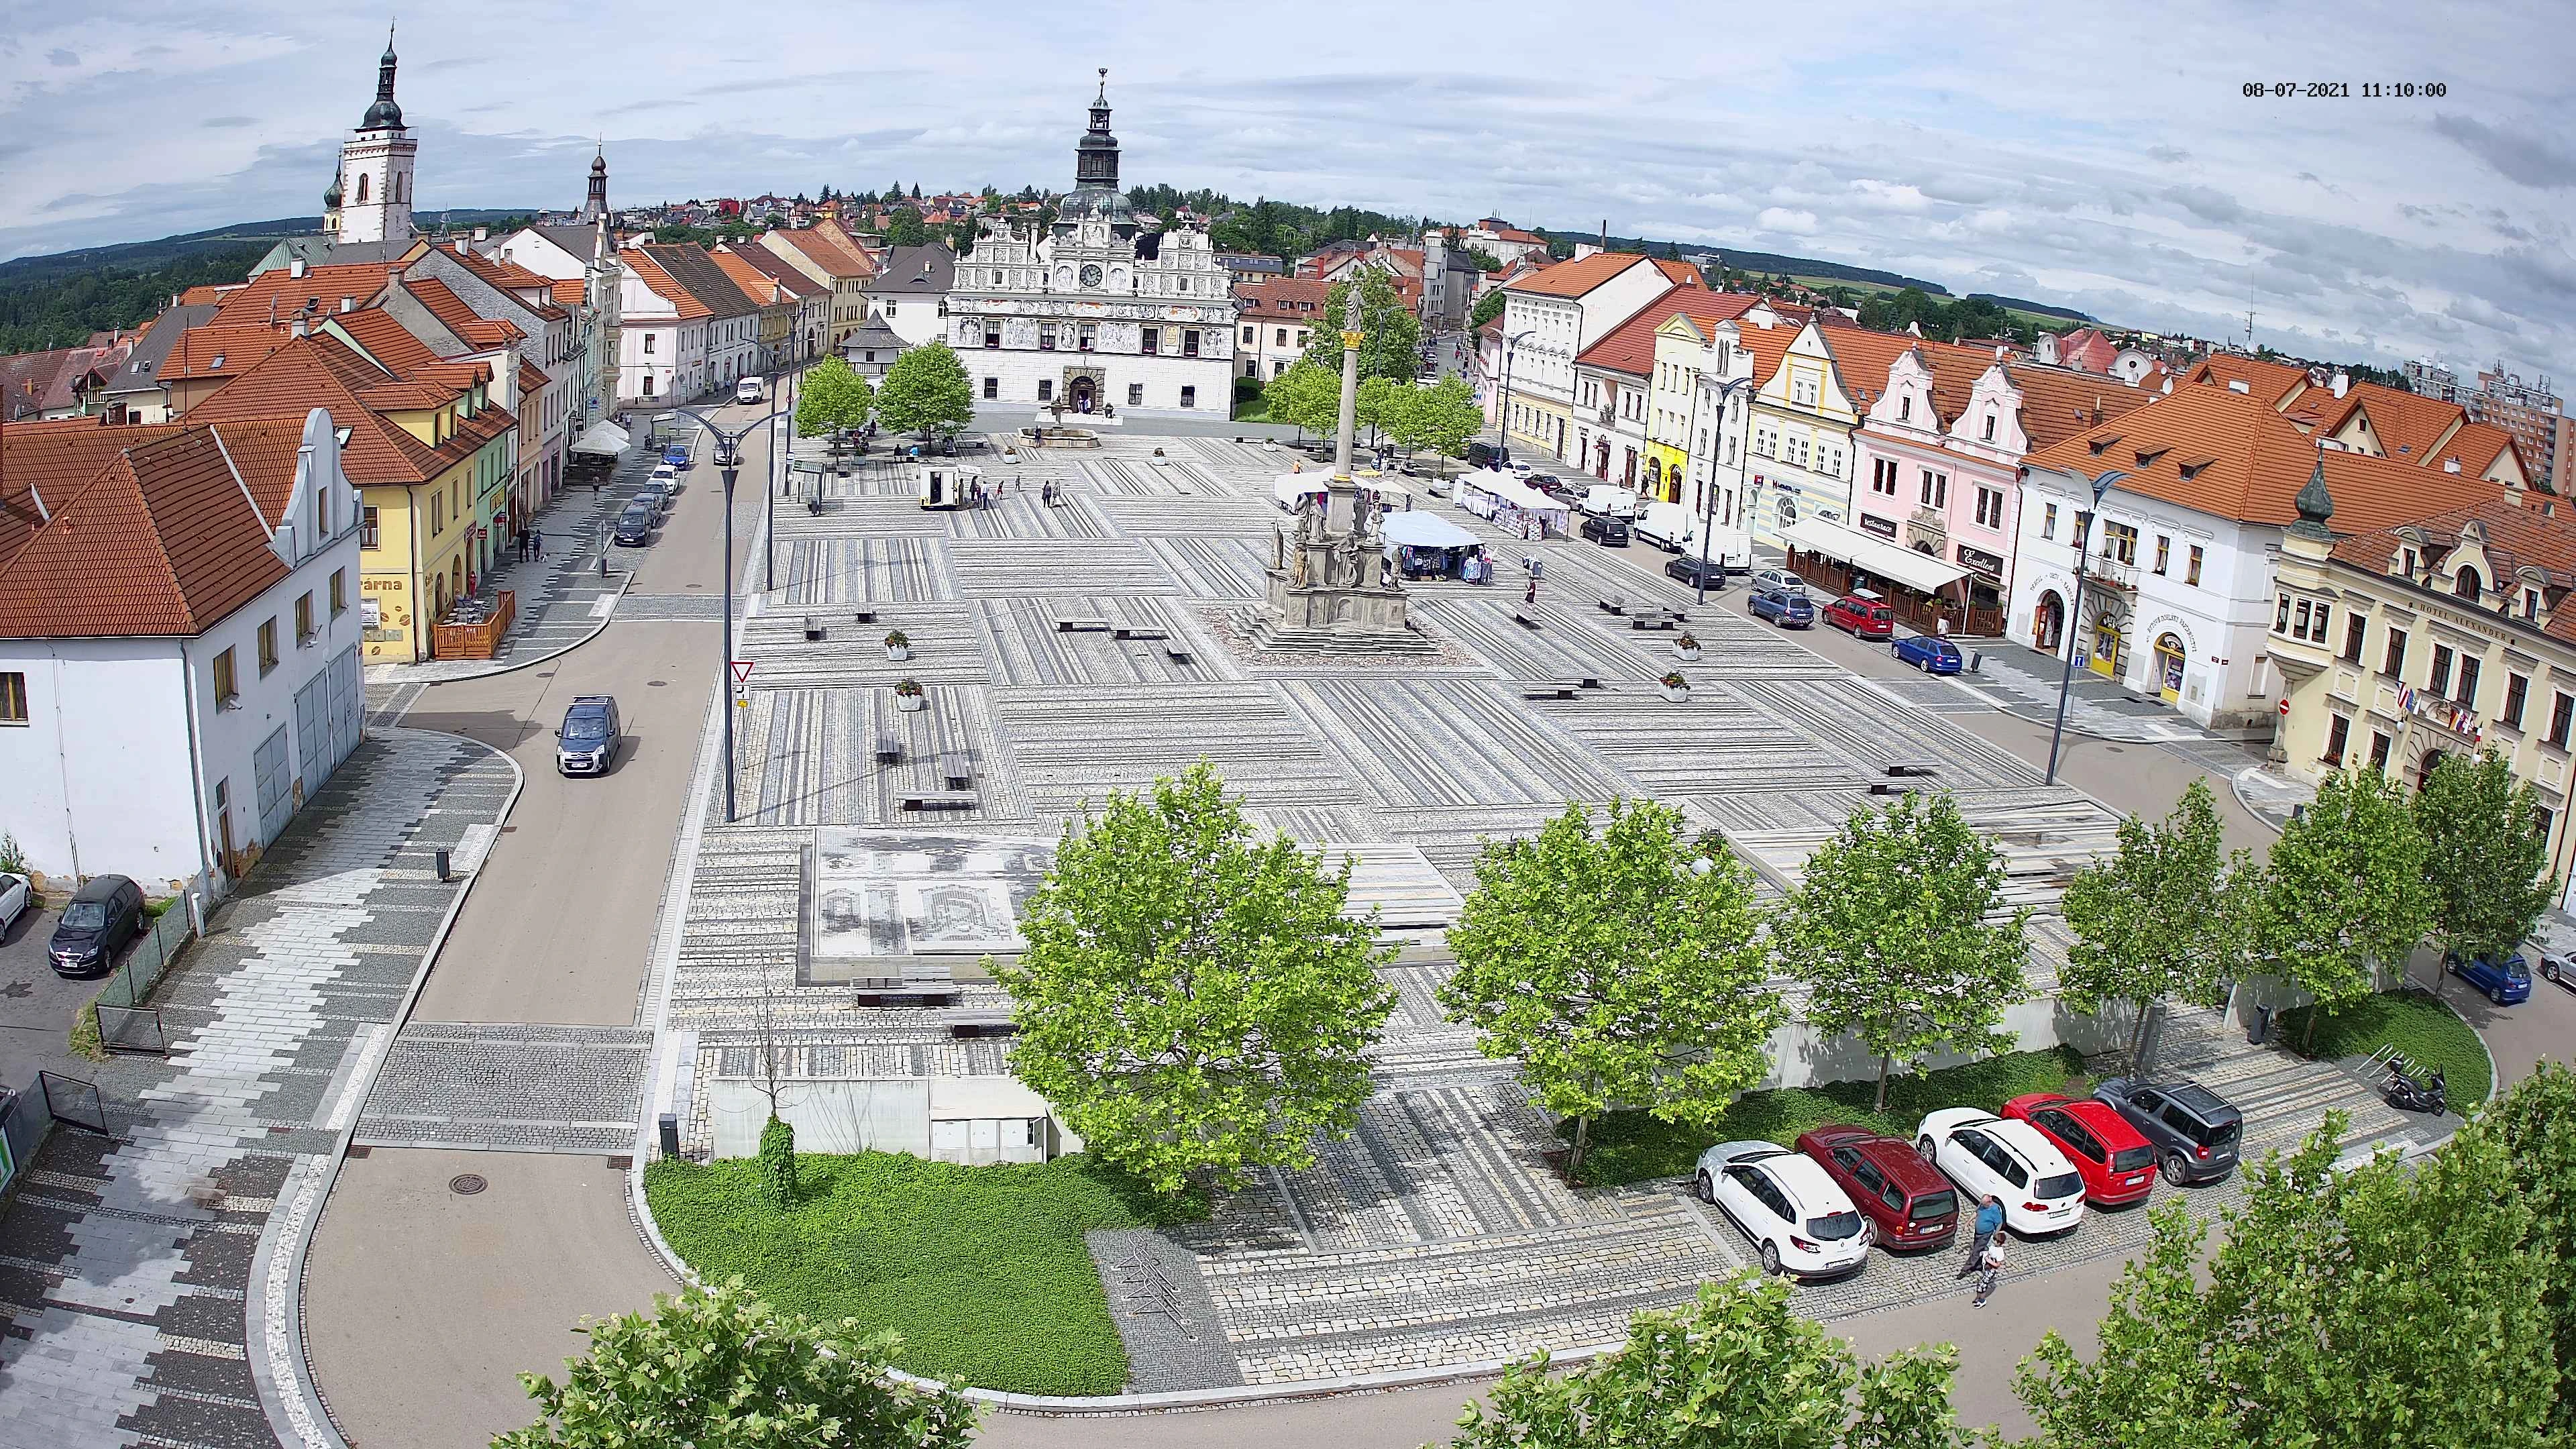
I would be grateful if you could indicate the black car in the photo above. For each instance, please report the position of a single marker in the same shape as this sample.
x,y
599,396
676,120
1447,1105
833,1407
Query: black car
x,y
2194,1130
635,525
103,915
587,743
1607,532
1695,572
1481,455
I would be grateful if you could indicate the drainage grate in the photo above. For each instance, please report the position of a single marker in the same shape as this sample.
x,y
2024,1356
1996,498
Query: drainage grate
x,y
466,1184
620,1163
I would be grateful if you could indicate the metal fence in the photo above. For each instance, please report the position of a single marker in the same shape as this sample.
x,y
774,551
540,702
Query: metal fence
x,y
23,1124
131,983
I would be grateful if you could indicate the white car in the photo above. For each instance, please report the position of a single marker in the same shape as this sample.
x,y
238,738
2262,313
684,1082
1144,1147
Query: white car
x,y
1781,579
1800,1222
15,897
747,390
1986,1154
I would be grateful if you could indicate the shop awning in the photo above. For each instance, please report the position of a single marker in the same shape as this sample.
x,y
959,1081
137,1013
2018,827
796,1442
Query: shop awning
x,y
1417,528
605,439
1505,488
1918,571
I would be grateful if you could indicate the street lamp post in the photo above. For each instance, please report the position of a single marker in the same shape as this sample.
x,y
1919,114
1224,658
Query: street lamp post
x,y
1503,420
2075,617
1708,490
728,462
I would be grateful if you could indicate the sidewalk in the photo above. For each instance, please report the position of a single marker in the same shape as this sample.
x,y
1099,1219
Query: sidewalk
x,y
145,1296
564,599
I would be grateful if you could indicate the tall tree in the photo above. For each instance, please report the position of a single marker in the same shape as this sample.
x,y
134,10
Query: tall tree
x,y
2486,855
1443,418
2386,1303
903,228
925,390
1390,335
1193,998
1308,394
1900,933
2344,892
1488,307
1622,966
832,396
2165,917
716,1366
2535,1120
1736,1368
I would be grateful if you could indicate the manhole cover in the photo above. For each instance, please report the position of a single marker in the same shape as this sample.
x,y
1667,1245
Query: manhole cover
x,y
466,1184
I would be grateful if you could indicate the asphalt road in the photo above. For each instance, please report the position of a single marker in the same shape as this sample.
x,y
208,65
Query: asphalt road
x,y
36,1006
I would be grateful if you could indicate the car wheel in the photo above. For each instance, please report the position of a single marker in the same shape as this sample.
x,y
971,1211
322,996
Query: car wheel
x,y
2496,996
1771,1259
2174,1172
1923,1149
1707,1190
2452,966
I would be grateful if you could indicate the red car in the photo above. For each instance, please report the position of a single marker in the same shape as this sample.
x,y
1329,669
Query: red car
x,y
1909,1204
2116,1160
1862,615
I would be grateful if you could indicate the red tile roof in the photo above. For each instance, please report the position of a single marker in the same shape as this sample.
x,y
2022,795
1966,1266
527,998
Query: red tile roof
x,y
160,540
1630,346
664,285
1574,279
324,372
274,296
2406,425
480,333
1283,299
43,463
219,351
2517,538
2273,382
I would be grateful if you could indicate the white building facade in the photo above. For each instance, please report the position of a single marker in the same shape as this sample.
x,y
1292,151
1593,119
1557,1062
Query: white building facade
x,y
1101,312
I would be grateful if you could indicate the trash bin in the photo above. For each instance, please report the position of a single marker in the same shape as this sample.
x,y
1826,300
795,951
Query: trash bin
x,y
1976,661
2258,1025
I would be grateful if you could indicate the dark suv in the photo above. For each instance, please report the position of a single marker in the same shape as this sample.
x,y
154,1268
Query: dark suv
x,y
635,525
103,915
2193,1129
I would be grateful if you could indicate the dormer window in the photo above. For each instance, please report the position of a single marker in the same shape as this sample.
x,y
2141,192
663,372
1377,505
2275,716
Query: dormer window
x,y
2467,584
1905,409
1990,426
2531,604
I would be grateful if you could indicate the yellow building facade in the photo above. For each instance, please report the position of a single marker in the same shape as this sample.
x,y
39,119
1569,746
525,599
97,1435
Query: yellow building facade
x,y
426,544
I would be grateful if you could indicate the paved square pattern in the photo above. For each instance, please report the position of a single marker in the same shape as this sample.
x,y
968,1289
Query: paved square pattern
x,y
1072,650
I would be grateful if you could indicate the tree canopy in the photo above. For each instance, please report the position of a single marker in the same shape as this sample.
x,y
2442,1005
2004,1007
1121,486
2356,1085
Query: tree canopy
x,y
2345,891
926,389
1390,335
2486,855
2167,916
1442,418
1899,932
832,396
1623,966
1193,998
1308,394
1487,308
903,228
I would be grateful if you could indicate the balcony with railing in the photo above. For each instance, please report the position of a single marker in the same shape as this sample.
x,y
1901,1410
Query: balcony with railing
x,y
2116,573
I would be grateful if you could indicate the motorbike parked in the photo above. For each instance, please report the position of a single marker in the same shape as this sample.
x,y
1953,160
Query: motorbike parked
x,y
2407,1092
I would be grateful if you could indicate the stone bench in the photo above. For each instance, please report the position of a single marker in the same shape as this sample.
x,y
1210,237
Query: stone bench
x,y
1178,654
863,616
1138,632
982,1024
813,629
1522,618
1550,689
955,772
1665,622
1069,624
889,747
1897,769
926,801
899,997
1613,604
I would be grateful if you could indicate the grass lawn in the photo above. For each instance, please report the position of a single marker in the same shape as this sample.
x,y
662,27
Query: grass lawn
x,y
2428,1032
981,1269
1253,410
1632,1147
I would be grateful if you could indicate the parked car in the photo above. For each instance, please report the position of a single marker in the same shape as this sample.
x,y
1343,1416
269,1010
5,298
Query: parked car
x,y
104,914
2505,982
1781,579
2115,1159
1989,1155
1688,570
1520,470
2554,967
747,390
1909,1205
1606,531
1863,615
1798,1220
587,743
1930,653
1781,607
1665,525
17,896
676,454
635,524
2193,1129
1480,454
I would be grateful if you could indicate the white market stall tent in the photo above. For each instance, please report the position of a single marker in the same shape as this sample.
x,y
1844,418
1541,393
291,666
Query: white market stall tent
x,y
1511,503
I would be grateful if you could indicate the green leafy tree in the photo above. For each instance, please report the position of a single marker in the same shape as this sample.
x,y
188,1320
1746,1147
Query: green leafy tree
x,y
1900,933
719,1367
1736,1368
2165,917
2345,891
2486,855
1308,394
1443,418
1192,998
1390,335
1379,403
832,396
1487,308
2385,1304
1485,261
1620,967
2536,1122
903,228
925,390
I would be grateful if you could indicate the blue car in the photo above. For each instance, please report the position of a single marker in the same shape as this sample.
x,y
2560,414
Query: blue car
x,y
1781,607
2505,982
677,455
1928,652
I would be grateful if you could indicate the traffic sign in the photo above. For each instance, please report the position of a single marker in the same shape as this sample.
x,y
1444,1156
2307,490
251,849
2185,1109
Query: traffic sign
x,y
2285,706
742,671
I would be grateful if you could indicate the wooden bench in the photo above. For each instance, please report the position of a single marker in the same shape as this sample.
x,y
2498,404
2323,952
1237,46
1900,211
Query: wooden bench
x,y
925,801
898,997
1138,632
982,1024
1613,604
1074,625
1522,618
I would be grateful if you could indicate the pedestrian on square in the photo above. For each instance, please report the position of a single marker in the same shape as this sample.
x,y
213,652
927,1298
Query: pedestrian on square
x,y
1990,1221
537,543
1990,1268
1532,595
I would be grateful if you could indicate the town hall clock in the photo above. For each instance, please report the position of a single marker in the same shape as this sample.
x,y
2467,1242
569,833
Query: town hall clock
x,y
1091,274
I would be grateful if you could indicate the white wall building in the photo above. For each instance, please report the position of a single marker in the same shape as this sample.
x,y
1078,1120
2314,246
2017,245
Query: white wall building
x,y
1101,310
179,650
370,200
1562,311
910,292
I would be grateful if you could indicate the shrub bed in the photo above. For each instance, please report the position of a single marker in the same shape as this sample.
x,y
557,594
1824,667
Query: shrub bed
x,y
1633,1147
983,1270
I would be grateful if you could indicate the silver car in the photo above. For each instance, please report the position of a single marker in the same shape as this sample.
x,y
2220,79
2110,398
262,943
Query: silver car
x,y
1780,579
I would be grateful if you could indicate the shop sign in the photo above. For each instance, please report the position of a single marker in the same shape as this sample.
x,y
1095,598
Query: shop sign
x,y
1883,527
1981,561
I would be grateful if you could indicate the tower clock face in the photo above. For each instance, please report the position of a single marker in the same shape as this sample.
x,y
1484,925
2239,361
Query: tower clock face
x,y
1091,274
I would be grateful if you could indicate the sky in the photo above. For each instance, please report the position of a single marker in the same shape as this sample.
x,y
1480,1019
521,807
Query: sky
x,y
2098,156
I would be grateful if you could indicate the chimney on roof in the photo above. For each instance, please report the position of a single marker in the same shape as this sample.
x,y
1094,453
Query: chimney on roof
x,y
2450,465
295,267
2342,383
482,232
295,327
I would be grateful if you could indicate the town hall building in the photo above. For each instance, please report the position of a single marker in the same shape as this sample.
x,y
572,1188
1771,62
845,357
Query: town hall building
x,y
1101,311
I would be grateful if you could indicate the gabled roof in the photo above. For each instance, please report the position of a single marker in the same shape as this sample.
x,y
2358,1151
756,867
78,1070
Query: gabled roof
x,y
322,371
2407,426
43,463
386,340
142,369
648,270
456,317
2057,404
2274,383
2476,446
1770,344
1283,299
929,270
2247,462
768,264
217,350
161,539
274,296
1575,279
824,251
1630,347
693,269
2517,539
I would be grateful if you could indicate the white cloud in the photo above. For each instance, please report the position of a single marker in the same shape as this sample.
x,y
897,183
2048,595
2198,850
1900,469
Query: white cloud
x,y
1780,218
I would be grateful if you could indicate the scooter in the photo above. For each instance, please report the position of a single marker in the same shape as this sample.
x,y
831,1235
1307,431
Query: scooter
x,y
2428,1095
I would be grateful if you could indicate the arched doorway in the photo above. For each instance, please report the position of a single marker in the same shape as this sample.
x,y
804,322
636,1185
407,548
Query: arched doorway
x,y
2169,660
2424,768
1084,391
2048,624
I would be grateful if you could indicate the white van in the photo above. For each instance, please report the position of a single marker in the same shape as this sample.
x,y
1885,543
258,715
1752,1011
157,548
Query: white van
x,y
1608,500
747,390
1732,547
1665,525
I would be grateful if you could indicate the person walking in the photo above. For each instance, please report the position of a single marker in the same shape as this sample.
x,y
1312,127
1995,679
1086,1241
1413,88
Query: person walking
x,y
537,543
1990,1268
1990,1221
1531,594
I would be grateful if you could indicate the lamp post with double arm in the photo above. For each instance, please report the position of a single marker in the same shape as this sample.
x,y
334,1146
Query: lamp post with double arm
x,y
1503,419
2075,616
729,463
1708,488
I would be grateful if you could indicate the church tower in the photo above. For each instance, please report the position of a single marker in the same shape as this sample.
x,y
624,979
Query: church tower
x,y
594,207
1095,157
376,167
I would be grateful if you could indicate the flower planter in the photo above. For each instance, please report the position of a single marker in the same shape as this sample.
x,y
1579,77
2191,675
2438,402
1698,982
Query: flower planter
x,y
898,651
1675,696
1686,651
910,703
